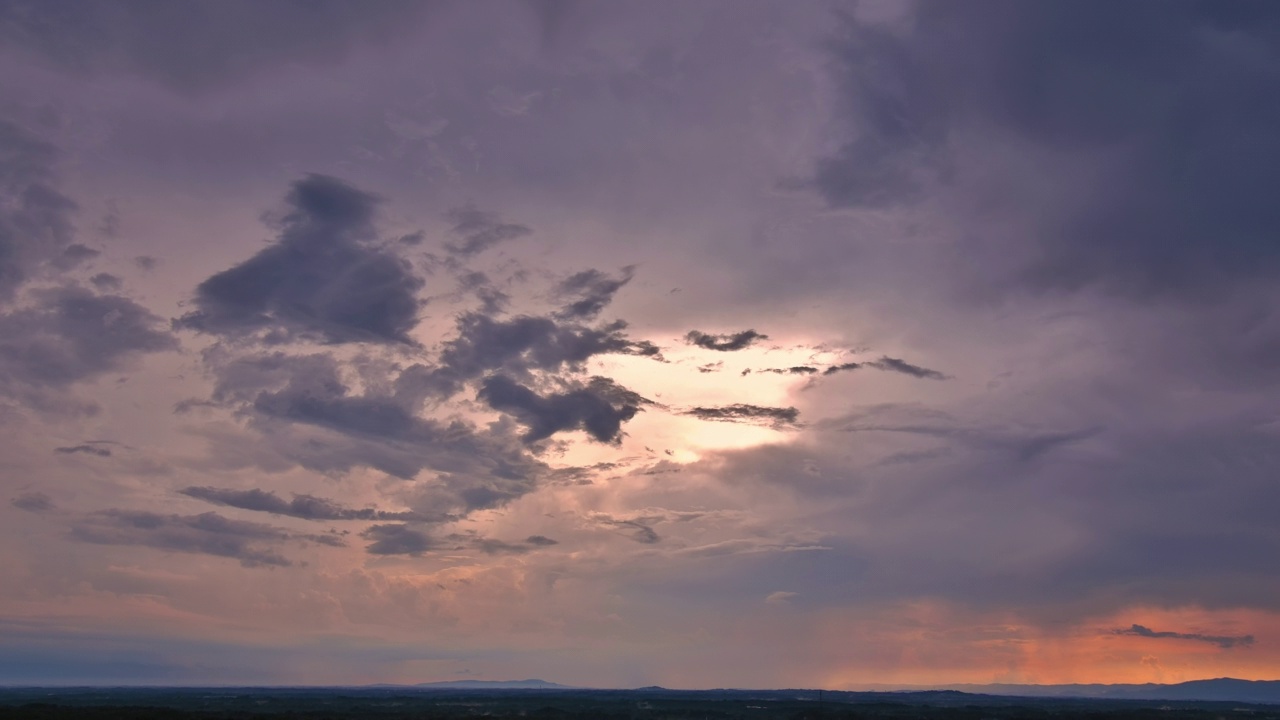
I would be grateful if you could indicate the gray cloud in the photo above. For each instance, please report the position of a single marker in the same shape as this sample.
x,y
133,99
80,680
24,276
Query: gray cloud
x,y
71,334
1125,85
396,540
35,218
307,507
740,412
842,367
36,502
207,534
303,410
492,300
904,367
583,408
593,291
1222,641
724,343
541,540
206,44
84,449
515,347
478,231
325,278
73,255
106,281
794,370
636,529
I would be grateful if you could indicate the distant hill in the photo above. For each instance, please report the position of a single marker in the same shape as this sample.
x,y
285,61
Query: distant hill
x,y
532,684
1225,689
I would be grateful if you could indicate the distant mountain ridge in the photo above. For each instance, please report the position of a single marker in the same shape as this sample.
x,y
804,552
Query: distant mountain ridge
x,y
1222,689
1218,689
531,684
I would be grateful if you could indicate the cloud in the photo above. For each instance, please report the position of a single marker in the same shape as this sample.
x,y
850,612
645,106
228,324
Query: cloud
x,y
600,414
1146,180
1222,641
36,502
479,230
207,534
843,367
307,507
724,343
396,540
35,217
209,44
541,541
781,597
73,255
71,334
794,370
302,410
906,368
515,347
593,291
740,412
492,300
106,282
325,278
638,529
85,449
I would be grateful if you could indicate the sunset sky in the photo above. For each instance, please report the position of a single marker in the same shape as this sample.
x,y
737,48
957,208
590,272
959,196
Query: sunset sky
x,y
740,343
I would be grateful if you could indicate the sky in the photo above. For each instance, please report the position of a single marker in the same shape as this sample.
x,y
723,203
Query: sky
x,y
694,343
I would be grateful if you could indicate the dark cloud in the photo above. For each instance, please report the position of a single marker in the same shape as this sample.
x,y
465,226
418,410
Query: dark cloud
x,y
843,367
35,218
580,475
515,347
747,413
305,412
307,507
592,290
478,231
73,255
202,45
794,370
85,449
492,300
325,278
906,368
638,529
1222,641
36,502
146,263
599,413
396,540
1171,104
541,541
106,281
724,343
1020,444
207,534
71,334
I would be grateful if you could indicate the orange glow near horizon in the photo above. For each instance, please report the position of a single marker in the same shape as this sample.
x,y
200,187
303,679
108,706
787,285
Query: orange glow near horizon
x,y
931,646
